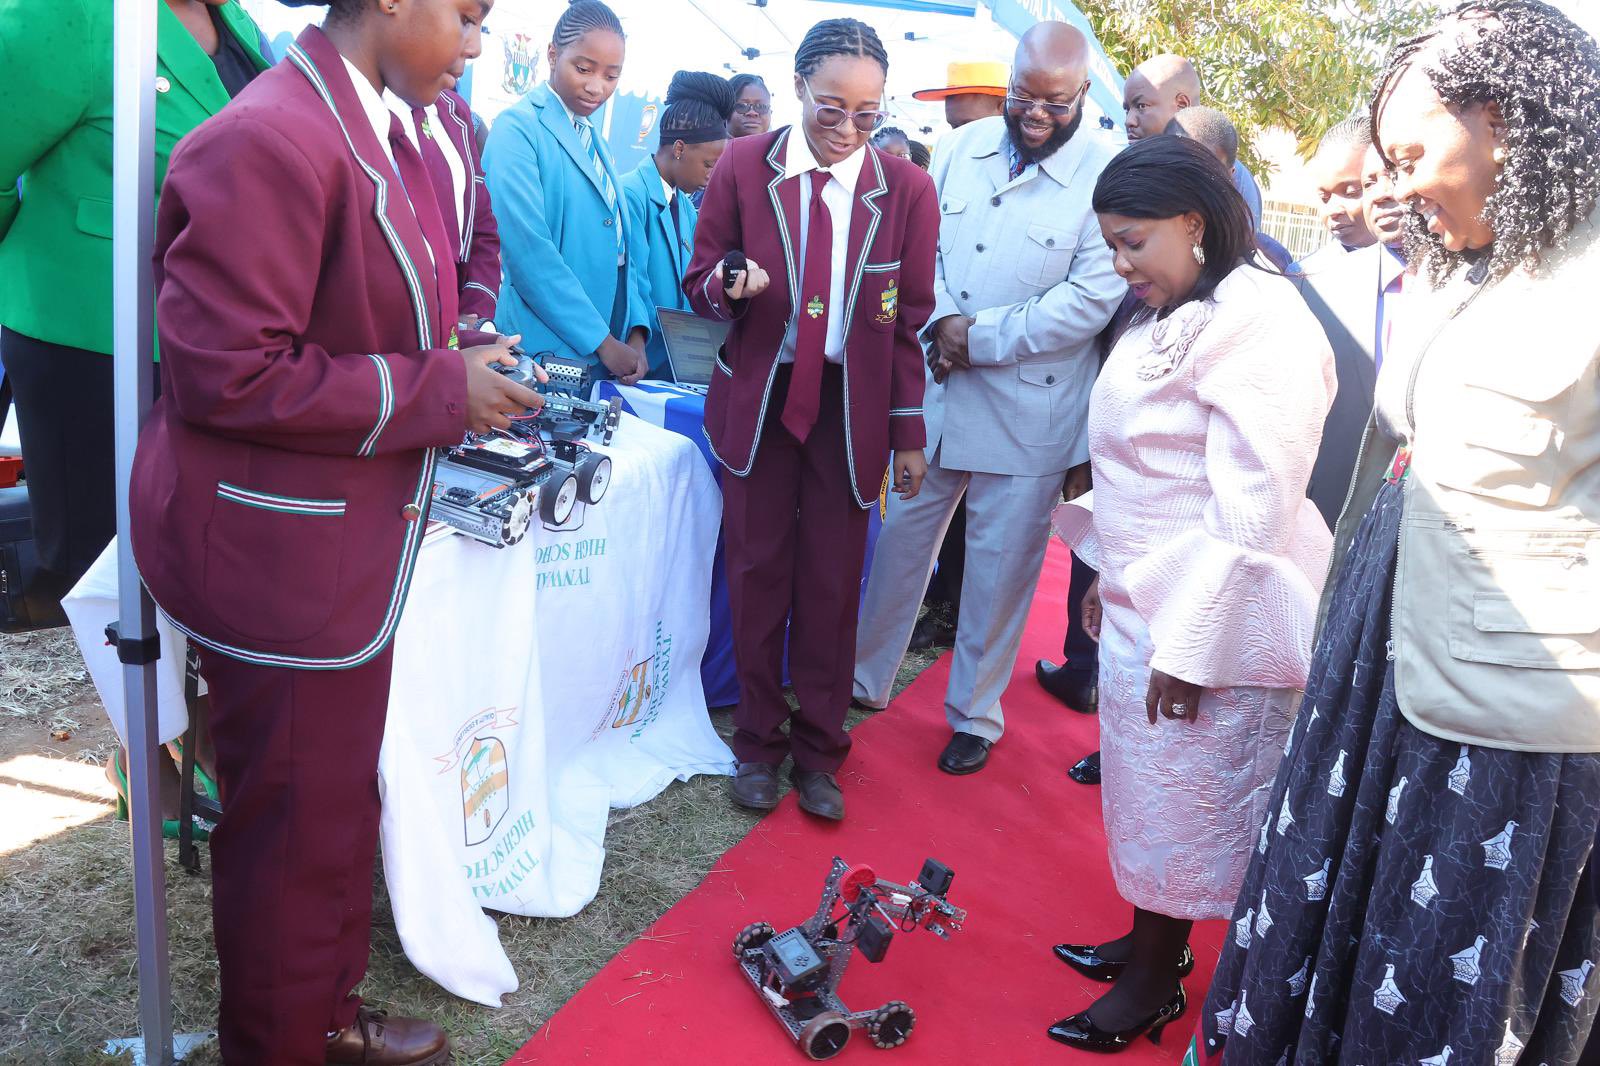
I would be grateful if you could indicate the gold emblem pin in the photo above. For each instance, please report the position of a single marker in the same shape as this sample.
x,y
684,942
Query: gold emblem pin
x,y
815,307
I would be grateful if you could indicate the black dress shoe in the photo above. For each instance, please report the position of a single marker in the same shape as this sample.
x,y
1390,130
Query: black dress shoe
x,y
1086,771
1078,689
965,754
1079,1032
1085,958
936,629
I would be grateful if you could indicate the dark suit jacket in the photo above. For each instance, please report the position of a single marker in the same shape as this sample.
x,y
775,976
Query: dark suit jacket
x,y
894,233
1344,297
478,258
280,485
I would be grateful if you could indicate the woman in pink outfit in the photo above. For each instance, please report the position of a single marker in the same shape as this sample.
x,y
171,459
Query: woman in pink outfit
x,y
1202,430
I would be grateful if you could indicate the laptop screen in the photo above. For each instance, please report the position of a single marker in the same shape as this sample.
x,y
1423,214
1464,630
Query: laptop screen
x,y
692,344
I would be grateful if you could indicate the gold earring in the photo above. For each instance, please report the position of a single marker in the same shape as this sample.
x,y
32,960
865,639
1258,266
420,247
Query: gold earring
x,y
1499,156
1199,254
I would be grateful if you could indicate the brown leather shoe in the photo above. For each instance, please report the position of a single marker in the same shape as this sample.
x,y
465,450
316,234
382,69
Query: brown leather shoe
x,y
819,794
376,1039
756,786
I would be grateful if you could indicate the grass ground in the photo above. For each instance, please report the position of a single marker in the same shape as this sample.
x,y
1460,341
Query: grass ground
x,y
67,953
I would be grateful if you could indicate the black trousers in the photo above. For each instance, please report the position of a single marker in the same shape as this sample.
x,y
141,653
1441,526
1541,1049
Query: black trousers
x,y
1079,649
66,404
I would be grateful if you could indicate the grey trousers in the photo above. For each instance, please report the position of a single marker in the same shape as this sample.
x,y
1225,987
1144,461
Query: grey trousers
x,y
1008,526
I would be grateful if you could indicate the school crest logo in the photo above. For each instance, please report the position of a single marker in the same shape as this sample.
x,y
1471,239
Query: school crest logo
x,y
647,122
633,694
518,75
815,307
485,788
482,765
891,302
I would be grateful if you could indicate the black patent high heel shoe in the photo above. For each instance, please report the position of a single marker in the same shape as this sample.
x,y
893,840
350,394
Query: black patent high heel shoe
x,y
1085,958
1081,1033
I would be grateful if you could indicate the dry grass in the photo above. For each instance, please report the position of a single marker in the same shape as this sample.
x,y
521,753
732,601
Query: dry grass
x,y
67,953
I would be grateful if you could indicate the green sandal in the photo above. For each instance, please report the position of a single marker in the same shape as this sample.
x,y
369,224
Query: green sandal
x,y
169,826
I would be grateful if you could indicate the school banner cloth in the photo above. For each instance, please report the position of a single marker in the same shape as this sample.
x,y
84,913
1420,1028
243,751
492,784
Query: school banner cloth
x,y
535,688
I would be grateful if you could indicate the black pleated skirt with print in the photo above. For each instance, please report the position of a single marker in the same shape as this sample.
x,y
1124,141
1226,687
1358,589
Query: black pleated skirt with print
x,y
1411,899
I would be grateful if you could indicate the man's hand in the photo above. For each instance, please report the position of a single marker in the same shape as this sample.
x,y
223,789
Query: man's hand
x,y
1172,698
626,363
492,398
909,468
1079,481
950,340
1091,612
748,283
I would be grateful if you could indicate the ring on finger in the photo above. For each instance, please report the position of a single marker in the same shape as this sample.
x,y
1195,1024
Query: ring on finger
x,y
1177,710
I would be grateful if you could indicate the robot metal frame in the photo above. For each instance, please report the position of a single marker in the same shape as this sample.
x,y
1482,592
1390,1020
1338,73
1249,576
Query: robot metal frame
x,y
797,972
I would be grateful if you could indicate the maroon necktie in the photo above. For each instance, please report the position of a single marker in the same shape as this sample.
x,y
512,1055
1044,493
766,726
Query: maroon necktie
x,y
444,186
811,336
425,205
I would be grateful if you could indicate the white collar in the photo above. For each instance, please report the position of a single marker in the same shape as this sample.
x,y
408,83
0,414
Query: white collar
x,y
800,160
666,188
372,104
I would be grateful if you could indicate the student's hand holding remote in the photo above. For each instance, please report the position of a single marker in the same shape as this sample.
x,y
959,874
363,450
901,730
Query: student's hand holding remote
x,y
748,283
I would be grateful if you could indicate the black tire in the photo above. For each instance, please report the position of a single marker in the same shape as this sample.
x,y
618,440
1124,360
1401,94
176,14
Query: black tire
x,y
557,497
594,477
892,1025
824,1036
751,936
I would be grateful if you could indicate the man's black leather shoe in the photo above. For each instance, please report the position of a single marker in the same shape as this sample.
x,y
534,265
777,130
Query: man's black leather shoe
x,y
1086,771
1078,689
965,754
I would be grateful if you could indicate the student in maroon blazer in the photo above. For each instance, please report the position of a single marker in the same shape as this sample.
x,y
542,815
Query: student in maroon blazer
x,y
475,237
819,381
307,310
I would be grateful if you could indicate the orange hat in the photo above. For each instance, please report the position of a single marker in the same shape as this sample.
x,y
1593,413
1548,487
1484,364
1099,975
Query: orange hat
x,y
982,79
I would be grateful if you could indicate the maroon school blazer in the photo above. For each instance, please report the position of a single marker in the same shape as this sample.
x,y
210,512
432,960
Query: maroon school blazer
x,y
281,484
894,233
478,259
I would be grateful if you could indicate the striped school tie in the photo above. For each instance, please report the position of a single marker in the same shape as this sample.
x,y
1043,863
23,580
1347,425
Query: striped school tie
x,y
586,135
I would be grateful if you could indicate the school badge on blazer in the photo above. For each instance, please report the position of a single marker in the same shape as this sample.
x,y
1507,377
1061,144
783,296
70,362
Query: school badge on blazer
x,y
891,303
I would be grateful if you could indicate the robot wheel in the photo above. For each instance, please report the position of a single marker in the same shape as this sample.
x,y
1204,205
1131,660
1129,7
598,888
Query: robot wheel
x,y
891,1026
751,936
824,1036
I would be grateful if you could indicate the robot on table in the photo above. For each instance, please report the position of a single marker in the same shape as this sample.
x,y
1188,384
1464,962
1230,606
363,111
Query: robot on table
x,y
797,972
490,485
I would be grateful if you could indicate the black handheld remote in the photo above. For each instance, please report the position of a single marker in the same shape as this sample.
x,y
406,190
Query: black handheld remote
x,y
733,264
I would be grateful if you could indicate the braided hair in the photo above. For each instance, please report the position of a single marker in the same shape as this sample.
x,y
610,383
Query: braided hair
x,y
580,17
838,37
1347,134
697,108
1543,71
740,82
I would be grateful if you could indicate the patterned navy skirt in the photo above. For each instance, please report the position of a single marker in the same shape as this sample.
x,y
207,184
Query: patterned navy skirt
x,y
1411,900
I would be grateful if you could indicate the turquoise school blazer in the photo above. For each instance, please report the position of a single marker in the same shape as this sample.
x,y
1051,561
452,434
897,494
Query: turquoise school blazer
x,y
558,244
665,258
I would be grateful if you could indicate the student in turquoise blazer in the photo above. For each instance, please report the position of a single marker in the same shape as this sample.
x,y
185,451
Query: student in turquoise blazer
x,y
566,254
661,213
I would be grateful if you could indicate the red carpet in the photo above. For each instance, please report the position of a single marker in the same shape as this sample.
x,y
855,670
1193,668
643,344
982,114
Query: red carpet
x,y
1028,851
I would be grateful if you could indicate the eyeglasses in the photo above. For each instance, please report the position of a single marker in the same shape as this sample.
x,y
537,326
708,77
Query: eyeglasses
x,y
1023,104
831,118
744,108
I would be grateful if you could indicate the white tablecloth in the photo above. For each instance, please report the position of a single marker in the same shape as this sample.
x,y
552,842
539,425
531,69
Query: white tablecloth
x,y
535,687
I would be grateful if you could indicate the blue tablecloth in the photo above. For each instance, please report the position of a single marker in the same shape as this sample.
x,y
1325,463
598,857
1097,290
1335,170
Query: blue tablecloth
x,y
683,411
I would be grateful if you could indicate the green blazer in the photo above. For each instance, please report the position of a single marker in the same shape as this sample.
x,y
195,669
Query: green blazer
x,y
55,94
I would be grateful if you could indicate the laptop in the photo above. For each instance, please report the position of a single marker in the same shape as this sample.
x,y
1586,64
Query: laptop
x,y
692,344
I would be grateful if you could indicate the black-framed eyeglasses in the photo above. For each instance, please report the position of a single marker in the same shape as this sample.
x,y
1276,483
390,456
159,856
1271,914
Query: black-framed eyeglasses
x,y
746,108
831,118
1024,104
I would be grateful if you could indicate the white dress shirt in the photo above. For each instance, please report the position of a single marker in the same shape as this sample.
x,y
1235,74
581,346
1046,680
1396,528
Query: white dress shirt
x,y
378,109
839,195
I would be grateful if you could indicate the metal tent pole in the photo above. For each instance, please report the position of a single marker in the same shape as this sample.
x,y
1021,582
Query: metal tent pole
x,y
133,237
